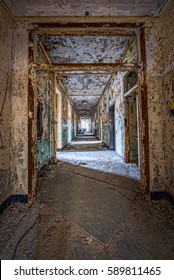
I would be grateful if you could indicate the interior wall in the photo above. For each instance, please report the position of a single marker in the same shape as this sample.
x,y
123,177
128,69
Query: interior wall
x,y
117,94
167,39
45,136
59,120
19,111
113,95
67,117
160,75
6,43
69,122
131,133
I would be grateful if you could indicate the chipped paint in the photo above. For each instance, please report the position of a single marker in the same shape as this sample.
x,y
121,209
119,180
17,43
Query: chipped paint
x,y
44,97
155,116
160,69
19,112
6,35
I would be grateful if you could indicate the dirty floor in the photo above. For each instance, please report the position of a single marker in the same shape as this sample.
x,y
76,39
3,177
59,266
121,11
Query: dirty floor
x,y
88,207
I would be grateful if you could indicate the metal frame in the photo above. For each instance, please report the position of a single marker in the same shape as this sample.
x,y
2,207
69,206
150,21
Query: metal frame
x,y
57,28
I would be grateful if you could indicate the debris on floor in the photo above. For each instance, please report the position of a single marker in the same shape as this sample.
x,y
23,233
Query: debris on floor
x,y
40,231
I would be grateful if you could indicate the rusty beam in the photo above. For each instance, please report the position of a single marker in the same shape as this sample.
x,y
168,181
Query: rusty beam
x,y
54,117
86,67
32,136
84,32
87,95
63,75
143,115
44,52
131,91
130,21
78,22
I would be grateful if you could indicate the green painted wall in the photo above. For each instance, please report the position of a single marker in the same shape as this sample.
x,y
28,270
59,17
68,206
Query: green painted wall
x,y
45,137
45,144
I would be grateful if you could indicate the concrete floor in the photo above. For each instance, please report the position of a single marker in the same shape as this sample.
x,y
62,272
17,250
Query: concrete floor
x,y
95,155
89,207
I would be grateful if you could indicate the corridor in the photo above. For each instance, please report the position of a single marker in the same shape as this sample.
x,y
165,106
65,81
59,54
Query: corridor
x,y
86,129
91,153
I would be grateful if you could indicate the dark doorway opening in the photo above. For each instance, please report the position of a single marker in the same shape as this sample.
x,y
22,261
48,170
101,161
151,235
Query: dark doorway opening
x,y
111,128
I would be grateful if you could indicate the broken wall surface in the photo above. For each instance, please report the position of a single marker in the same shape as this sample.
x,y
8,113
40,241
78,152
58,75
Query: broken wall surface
x,y
64,120
160,76
44,118
67,112
113,95
6,43
19,111
167,39
131,135
117,96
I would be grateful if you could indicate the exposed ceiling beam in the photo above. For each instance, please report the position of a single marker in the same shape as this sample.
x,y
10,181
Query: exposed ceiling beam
x,y
44,52
100,73
86,67
83,32
109,20
131,91
87,95
94,24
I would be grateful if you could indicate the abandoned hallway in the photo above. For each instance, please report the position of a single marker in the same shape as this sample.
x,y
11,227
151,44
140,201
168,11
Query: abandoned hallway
x,y
84,213
87,129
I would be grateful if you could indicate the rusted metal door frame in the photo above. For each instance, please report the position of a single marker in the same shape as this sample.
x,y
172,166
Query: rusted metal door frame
x,y
32,125
143,116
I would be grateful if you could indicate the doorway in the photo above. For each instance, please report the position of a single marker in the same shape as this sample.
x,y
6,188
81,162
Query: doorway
x,y
66,71
111,128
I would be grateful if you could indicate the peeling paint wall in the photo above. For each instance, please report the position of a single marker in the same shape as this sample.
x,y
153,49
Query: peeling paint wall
x,y
69,119
125,116
166,42
131,135
6,42
160,76
19,111
64,120
131,122
45,136
113,95
117,93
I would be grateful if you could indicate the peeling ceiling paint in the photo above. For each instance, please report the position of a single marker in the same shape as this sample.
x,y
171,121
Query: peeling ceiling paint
x,y
85,49
85,89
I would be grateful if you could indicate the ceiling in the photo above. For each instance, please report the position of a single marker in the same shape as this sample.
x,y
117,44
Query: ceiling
x,y
85,88
92,7
84,49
